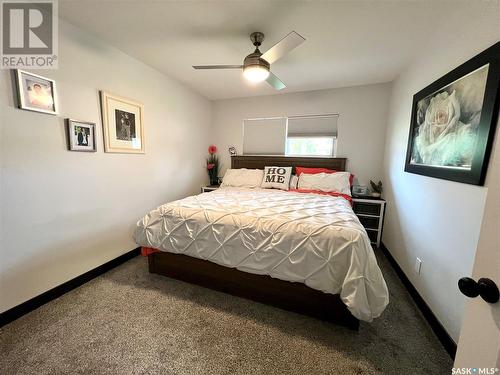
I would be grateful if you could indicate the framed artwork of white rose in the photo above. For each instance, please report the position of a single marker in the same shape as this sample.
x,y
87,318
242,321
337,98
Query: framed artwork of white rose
x,y
453,121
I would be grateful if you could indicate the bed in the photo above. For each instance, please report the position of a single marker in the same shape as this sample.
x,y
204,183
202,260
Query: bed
x,y
302,252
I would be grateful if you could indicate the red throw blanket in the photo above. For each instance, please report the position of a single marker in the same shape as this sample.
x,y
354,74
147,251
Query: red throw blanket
x,y
145,251
332,193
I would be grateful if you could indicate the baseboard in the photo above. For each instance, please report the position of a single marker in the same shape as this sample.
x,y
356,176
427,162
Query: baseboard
x,y
443,336
34,303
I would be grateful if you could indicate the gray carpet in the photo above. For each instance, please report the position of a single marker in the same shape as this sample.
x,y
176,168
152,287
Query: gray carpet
x,y
131,322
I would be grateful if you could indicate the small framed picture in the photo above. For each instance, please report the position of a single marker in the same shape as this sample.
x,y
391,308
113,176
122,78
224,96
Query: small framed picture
x,y
36,93
123,124
81,135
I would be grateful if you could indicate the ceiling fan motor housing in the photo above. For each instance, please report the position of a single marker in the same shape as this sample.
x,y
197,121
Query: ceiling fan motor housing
x,y
254,59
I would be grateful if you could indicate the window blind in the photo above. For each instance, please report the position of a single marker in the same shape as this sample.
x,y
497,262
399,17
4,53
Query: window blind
x,y
264,136
313,126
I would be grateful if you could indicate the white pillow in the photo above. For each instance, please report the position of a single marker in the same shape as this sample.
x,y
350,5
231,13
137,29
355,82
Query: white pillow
x,y
277,178
327,182
294,180
250,178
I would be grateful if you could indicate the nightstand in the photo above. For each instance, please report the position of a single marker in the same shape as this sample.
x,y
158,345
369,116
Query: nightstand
x,y
370,212
206,189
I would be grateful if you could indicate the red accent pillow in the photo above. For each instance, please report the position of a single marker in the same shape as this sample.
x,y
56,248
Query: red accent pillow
x,y
300,170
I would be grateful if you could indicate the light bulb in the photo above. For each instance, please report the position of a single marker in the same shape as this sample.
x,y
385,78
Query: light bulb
x,y
256,73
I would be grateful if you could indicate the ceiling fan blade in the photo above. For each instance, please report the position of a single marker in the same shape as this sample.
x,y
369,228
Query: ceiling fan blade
x,y
218,66
284,46
275,82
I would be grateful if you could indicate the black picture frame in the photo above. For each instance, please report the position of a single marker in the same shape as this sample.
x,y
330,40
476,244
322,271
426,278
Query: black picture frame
x,y
72,146
485,129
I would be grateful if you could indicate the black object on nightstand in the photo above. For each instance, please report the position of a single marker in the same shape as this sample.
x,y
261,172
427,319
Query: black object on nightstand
x,y
206,189
370,212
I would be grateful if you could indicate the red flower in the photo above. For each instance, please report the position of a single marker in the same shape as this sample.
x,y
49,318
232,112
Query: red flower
x,y
210,166
212,149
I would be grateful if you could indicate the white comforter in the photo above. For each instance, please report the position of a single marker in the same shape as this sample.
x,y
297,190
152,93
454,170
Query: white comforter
x,y
308,238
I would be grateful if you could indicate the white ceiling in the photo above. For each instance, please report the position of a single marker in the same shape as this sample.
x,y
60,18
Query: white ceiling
x,y
347,43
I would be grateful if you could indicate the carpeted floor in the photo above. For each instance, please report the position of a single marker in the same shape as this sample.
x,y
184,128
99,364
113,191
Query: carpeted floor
x,y
131,322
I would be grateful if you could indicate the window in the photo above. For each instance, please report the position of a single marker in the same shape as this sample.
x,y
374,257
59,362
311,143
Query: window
x,y
310,135
310,146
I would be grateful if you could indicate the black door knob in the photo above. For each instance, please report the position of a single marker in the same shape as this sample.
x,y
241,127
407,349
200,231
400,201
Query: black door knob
x,y
486,288
468,287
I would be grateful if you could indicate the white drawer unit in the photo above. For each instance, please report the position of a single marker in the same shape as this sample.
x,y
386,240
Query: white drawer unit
x,y
370,212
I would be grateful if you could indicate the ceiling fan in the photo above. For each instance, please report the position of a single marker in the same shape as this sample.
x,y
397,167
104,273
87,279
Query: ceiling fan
x,y
256,66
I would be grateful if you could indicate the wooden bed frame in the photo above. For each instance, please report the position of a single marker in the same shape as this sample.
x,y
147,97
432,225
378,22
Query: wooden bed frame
x,y
262,288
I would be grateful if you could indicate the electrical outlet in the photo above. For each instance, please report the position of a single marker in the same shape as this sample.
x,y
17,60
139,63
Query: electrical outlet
x,y
418,266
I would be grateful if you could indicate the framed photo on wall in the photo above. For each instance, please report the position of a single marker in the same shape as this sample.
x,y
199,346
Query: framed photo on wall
x,y
453,121
35,93
123,124
81,135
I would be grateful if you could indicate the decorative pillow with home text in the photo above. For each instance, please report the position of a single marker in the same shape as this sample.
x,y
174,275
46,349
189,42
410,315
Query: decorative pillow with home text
x,y
276,178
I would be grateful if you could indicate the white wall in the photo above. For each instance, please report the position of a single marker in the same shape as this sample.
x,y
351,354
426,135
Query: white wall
x,y
433,219
361,124
64,213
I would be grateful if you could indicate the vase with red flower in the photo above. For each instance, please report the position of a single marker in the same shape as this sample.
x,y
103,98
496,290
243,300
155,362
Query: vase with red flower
x,y
213,165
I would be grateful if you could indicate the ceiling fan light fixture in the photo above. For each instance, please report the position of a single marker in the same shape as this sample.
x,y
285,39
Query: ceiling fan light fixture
x,y
256,73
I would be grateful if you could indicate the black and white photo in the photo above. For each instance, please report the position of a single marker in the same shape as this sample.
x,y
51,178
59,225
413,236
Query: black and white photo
x,y
125,125
81,135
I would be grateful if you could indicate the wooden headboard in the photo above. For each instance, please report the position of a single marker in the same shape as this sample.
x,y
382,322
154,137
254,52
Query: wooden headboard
x,y
259,162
